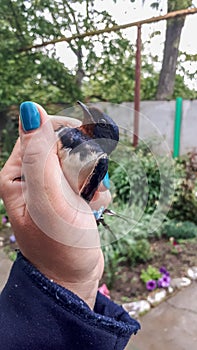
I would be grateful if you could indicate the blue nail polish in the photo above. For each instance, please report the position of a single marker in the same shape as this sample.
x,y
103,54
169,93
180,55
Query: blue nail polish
x,y
98,213
106,181
30,117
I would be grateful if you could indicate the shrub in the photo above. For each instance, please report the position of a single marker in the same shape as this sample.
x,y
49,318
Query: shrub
x,y
131,245
148,181
179,230
142,179
113,259
184,204
123,251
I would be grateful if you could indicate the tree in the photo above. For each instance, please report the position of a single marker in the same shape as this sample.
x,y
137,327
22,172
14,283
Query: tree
x,y
39,73
36,74
171,50
112,76
174,28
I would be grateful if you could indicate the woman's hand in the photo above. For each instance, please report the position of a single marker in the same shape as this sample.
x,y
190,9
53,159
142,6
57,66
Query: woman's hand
x,y
54,227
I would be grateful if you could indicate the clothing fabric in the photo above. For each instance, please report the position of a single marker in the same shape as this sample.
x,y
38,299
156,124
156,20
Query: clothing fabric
x,y
38,314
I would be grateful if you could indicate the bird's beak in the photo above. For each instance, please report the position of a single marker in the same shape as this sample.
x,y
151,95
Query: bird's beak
x,y
88,118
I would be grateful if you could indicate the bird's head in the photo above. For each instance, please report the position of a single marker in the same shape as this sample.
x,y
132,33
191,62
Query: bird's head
x,y
100,127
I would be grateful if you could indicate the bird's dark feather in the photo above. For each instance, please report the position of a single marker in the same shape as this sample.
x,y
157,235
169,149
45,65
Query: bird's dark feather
x,y
97,176
75,140
102,128
98,135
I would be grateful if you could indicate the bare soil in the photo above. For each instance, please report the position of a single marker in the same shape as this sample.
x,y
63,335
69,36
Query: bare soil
x,y
176,259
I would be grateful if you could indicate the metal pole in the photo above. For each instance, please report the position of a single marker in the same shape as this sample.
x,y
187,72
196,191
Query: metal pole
x,y
177,126
137,88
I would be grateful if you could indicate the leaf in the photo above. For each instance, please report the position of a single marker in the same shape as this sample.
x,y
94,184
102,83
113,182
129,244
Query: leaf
x,y
155,5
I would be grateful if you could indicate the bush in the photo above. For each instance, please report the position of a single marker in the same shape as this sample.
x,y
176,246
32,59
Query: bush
x,y
142,179
150,181
179,230
124,251
142,183
131,245
184,204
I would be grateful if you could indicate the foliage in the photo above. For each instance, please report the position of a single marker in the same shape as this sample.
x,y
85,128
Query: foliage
x,y
184,204
38,75
2,207
180,89
12,256
178,4
154,278
166,84
139,251
179,229
34,76
2,212
113,259
127,251
113,76
133,236
142,177
151,273
104,66
146,180
8,139
131,245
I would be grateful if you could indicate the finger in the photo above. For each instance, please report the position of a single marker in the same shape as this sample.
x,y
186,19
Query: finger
x,y
38,144
100,199
58,121
10,182
10,174
12,167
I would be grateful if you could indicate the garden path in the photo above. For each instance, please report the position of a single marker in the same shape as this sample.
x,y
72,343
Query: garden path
x,y
170,326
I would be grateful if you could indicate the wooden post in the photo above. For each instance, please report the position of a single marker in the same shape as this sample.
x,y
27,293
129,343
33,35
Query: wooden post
x,y
137,88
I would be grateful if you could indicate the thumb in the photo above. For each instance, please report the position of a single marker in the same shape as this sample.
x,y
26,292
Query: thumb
x,y
38,152
38,146
35,127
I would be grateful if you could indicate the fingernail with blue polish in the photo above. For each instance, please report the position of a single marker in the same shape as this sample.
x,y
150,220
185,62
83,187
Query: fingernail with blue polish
x,y
30,117
98,213
106,181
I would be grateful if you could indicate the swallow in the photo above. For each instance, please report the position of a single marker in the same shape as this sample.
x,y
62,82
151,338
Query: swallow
x,y
84,150
100,127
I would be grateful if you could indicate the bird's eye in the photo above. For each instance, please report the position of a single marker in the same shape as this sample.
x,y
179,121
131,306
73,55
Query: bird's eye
x,y
102,123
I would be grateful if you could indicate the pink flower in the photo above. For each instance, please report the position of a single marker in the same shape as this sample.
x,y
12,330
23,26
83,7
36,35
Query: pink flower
x,y
104,290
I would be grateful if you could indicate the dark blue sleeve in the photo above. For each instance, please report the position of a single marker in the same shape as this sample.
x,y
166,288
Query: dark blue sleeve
x,y
36,313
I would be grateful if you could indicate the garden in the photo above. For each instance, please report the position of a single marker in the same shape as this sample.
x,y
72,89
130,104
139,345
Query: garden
x,y
157,196
152,237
